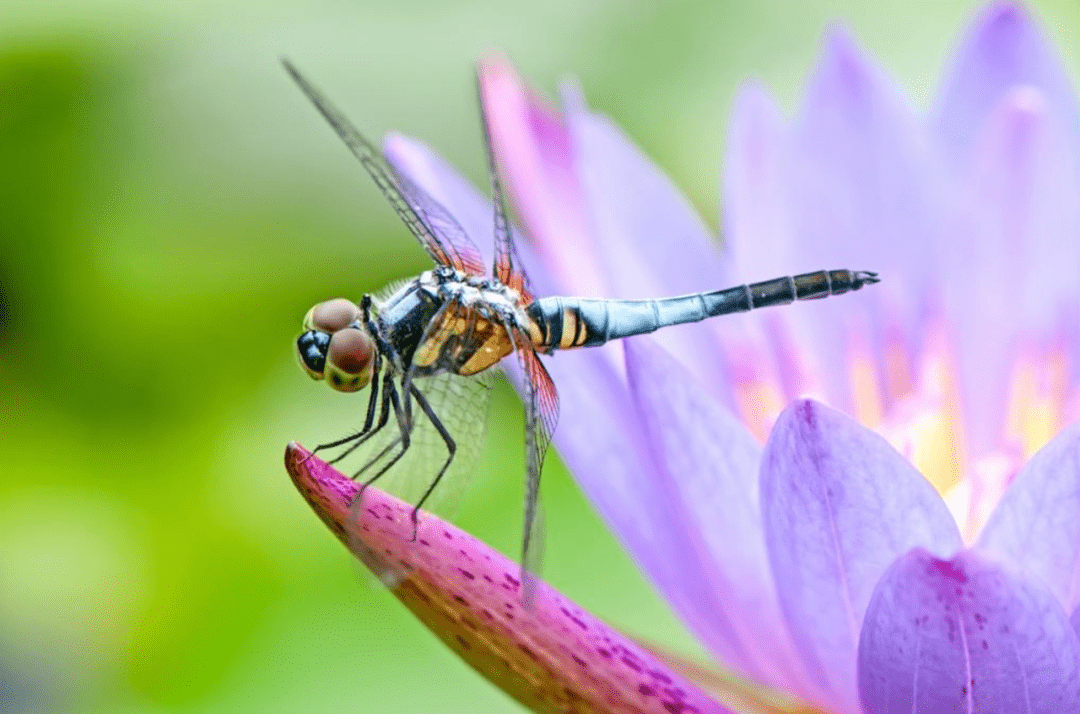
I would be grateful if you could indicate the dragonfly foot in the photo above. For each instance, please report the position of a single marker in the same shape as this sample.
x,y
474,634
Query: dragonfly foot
x,y
415,517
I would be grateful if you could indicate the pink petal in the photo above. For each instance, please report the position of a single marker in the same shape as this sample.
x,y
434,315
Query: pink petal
x,y
965,635
705,464
1037,523
554,656
1004,49
840,505
537,162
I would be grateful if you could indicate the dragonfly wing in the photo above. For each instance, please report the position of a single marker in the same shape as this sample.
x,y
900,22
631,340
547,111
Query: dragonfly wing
x,y
452,238
541,415
508,268
390,183
461,404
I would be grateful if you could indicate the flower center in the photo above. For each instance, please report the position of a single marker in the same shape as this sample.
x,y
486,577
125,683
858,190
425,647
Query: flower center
x,y
926,425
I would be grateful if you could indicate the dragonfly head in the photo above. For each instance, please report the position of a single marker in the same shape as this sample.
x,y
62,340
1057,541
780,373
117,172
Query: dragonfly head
x,y
335,346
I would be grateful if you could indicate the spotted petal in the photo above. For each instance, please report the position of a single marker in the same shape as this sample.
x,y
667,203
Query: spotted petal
x,y
552,658
965,634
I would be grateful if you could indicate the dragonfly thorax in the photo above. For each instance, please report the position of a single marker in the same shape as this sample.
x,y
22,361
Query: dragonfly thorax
x,y
449,321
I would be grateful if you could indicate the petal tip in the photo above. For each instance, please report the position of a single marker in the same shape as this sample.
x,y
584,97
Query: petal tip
x,y
1004,15
328,492
544,653
841,52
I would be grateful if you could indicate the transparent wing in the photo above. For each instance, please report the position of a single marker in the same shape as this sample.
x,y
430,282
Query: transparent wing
x,y
508,268
541,415
461,403
451,236
412,205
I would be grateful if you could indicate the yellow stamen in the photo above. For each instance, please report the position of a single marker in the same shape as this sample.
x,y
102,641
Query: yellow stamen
x,y
865,392
1037,396
759,403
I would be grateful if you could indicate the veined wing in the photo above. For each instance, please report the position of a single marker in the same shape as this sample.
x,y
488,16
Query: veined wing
x,y
413,206
461,404
541,415
508,268
449,234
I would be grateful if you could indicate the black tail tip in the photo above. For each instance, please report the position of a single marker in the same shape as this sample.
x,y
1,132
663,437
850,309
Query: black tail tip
x,y
864,277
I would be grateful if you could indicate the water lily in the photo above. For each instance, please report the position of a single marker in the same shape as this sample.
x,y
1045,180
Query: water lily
x,y
914,546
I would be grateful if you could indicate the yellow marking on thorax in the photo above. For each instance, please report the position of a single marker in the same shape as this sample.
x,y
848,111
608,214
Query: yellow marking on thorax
x,y
462,338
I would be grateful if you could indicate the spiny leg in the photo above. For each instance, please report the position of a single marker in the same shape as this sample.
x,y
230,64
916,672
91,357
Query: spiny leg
x,y
404,439
370,418
451,447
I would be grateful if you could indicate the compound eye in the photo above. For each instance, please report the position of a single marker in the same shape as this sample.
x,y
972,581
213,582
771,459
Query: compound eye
x,y
349,359
332,315
311,348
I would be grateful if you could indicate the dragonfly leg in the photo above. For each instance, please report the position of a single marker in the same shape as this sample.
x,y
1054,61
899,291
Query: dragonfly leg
x,y
373,399
451,447
365,431
403,440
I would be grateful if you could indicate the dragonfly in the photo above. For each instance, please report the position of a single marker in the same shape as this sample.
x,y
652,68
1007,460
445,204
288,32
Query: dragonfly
x,y
457,321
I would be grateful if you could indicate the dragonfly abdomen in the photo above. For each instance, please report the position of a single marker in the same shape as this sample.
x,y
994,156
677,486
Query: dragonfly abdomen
x,y
567,322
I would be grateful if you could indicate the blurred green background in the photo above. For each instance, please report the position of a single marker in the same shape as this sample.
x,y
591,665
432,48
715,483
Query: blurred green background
x,y
170,206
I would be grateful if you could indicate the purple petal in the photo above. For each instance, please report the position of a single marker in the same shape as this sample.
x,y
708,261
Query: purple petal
x,y
965,635
756,216
614,467
862,195
552,657
707,464
1004,49
865,180
648,235
1037,523
1012,248
840,505
754,209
